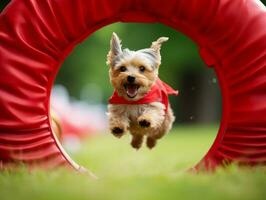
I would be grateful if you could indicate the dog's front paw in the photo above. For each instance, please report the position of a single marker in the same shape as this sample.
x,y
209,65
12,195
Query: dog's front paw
x,y
144,123
117,131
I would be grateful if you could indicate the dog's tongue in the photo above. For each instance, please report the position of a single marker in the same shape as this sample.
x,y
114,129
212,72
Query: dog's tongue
x,y
132,90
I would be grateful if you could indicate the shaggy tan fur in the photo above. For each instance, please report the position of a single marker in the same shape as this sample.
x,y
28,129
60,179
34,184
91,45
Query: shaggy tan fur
x,y
149,120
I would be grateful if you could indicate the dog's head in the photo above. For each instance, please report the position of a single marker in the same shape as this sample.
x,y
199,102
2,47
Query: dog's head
x,y
132,73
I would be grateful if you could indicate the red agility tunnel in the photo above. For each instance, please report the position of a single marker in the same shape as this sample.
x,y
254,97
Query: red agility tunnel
x,y
37,35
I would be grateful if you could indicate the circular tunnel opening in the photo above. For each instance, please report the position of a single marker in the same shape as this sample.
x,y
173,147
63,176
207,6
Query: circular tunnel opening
x,y
41,38
82,88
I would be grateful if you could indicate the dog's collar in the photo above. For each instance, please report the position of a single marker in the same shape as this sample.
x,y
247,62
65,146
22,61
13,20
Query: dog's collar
x,y
158,93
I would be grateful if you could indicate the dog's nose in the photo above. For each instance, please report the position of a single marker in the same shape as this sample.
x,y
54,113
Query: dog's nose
x,y
131,79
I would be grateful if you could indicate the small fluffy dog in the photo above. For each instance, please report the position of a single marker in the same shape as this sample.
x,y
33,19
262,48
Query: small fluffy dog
x,y
140,100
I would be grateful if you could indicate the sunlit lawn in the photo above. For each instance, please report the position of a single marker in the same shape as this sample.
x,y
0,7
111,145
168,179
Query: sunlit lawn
x,y
145,174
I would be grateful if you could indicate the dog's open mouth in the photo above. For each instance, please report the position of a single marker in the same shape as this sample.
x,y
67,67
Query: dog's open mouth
x,y
131,89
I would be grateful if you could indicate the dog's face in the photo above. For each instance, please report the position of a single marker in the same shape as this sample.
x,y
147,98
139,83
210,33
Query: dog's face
x,y
132,73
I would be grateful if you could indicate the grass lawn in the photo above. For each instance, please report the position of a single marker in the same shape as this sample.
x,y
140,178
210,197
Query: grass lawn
x,y
145,174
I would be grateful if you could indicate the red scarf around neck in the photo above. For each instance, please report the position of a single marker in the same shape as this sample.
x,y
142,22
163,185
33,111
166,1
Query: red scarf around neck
x,y
158,93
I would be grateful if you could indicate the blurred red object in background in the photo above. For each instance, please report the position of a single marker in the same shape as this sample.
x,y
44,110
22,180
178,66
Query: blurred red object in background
x,y
77,118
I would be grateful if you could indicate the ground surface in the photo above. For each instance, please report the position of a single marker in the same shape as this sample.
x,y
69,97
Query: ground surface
x,y
149,175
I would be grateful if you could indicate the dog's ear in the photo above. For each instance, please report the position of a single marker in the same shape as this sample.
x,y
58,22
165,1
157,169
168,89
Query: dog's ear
x,y
115,48
156,45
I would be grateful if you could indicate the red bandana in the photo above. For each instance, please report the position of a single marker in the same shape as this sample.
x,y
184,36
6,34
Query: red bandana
x,y
158,93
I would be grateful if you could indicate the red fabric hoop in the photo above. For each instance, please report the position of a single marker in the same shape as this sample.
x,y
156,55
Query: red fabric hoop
x,y
37,35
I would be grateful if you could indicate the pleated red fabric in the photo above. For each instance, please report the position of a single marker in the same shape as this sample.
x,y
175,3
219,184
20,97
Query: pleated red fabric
x,y
37,35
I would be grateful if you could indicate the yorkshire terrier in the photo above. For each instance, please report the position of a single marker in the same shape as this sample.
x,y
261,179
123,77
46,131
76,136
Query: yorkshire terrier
x,y
139,103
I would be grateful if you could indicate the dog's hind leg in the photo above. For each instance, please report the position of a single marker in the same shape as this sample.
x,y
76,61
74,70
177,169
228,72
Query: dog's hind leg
x,y
155,134
136,141
151,142
137,136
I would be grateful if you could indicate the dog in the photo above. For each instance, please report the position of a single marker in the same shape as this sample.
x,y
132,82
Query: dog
x,y
139,103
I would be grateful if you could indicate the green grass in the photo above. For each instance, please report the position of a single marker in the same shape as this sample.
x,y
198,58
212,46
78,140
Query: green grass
x,y
149,175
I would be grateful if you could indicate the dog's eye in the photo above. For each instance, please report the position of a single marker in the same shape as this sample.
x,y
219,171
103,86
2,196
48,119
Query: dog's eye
x,y
122,69
142,68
